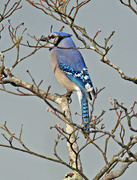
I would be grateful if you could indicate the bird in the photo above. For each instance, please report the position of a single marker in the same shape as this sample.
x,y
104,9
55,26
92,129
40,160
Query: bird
x,y
70,70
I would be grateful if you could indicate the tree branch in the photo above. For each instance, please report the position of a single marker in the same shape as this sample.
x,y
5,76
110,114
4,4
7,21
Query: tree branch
x,y
130,6
15,7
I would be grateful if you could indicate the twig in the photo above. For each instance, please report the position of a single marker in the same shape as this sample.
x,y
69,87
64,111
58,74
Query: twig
x,y
129,5
15,7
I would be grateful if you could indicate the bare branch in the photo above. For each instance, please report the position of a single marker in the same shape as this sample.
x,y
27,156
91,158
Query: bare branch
x,y
118,173
130,6
129,117
15,7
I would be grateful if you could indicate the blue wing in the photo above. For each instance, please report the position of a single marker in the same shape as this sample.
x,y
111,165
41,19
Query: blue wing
x,y
80,78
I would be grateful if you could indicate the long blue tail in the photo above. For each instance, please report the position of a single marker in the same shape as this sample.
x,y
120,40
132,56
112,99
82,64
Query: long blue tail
x,y
85,111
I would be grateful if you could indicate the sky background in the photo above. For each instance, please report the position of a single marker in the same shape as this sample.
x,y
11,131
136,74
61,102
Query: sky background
x,y
107,15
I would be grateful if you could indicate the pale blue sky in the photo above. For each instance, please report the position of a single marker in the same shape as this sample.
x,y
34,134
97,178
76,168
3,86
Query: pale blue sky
x,y
107,15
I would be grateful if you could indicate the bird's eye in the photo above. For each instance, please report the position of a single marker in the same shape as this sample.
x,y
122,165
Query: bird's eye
x,y
52,37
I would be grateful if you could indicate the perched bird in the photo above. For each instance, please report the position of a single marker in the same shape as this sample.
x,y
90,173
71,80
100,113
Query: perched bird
x,y
70,69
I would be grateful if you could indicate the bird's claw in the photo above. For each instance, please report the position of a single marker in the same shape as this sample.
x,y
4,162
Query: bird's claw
x,y
67,95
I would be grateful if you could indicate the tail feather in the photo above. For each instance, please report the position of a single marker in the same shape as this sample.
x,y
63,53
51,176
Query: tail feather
x,y
84,109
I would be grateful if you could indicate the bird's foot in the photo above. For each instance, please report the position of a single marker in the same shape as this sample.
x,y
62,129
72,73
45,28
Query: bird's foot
x,y
67,95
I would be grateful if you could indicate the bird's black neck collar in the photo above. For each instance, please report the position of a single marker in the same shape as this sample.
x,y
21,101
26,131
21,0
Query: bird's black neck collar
x,y
59,40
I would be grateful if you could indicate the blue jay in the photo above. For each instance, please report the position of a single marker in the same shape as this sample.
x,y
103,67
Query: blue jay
x,y
70,70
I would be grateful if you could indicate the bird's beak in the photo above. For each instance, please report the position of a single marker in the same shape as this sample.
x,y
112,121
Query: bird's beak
x,y
44,39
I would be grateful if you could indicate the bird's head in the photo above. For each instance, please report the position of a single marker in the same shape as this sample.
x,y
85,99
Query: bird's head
x,y
55,38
